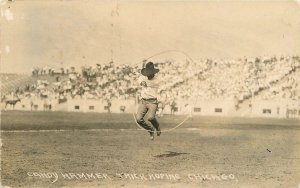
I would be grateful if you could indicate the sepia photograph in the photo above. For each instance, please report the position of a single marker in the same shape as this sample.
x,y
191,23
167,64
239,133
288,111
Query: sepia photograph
x,y
150,93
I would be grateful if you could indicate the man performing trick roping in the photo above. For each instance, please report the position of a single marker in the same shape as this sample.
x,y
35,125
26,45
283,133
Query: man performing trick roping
x,y
149,103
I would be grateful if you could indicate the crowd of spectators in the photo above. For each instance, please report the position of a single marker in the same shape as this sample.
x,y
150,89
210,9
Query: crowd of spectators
x,y
47,70
260,78
267,78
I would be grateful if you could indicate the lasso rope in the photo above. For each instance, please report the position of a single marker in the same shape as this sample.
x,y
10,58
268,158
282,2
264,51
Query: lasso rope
x,y
187,117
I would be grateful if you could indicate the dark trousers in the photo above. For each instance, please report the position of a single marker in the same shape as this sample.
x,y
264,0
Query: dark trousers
x,y
150,106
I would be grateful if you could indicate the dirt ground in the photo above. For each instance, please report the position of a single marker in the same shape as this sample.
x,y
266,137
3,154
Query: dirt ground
x,y
51,149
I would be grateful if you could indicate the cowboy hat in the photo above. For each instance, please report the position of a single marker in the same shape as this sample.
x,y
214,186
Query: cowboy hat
x,y
149,69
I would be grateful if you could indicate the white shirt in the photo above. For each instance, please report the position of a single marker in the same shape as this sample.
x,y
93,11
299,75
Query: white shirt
x,y
151,90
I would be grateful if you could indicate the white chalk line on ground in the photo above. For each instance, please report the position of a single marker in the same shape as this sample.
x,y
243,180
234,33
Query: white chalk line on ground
x,y
65,130
78,130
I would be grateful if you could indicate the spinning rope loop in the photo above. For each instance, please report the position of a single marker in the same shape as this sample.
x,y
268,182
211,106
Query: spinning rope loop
x,y
188,115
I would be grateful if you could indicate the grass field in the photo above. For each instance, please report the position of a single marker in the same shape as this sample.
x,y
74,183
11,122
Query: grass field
x,y
58,149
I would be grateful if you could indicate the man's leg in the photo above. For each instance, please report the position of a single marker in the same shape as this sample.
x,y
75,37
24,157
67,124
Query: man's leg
x,y
141,112
151,117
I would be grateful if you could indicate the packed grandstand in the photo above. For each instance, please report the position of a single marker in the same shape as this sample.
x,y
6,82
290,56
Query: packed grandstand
x,y
266,78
